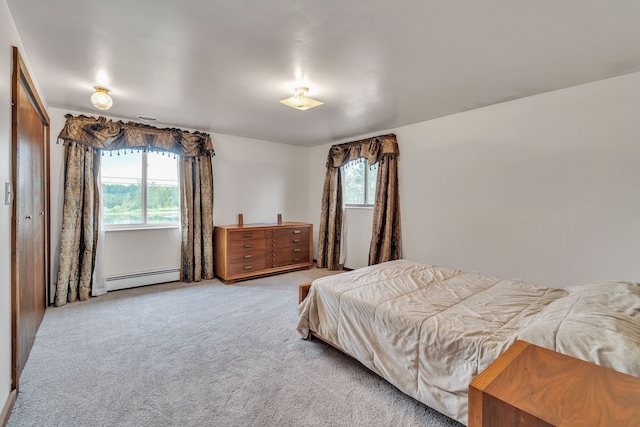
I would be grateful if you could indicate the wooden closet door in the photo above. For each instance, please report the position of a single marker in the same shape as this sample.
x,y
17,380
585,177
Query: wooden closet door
x,y
30,223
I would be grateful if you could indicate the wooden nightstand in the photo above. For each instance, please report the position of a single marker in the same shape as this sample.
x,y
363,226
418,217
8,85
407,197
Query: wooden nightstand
x,y
530,386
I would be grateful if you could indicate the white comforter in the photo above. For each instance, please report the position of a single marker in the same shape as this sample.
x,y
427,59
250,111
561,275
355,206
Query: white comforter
x,y
429,330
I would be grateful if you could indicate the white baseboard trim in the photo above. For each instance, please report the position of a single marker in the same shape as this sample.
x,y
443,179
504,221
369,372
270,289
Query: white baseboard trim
x,y
133,280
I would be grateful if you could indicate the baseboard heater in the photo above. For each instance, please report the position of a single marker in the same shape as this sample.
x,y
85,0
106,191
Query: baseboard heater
x,y
133,280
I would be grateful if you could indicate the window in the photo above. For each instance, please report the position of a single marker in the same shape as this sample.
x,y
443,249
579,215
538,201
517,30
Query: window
x,y
140,188
360,183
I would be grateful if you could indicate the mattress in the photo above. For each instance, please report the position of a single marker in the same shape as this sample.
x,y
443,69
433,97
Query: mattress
x,y
430,330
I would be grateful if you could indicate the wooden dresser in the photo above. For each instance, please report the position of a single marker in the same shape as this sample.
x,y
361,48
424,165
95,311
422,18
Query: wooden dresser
x,y
251,250
530,386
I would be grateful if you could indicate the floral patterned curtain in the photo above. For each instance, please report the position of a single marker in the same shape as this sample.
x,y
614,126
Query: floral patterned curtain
x,y
84,139
79,237
196,192
386,236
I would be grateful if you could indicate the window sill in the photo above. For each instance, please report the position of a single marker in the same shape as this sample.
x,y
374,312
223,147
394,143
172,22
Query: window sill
x,y
359,207
141,228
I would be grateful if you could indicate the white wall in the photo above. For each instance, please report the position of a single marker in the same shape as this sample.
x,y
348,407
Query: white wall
x,y
8,37
544,188
141,257
317,160
256,178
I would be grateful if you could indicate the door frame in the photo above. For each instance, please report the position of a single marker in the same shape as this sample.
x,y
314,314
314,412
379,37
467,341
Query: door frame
x,y
21,76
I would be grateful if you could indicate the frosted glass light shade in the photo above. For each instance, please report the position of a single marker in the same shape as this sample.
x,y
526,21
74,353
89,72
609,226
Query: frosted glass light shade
x,y
301,101
101,99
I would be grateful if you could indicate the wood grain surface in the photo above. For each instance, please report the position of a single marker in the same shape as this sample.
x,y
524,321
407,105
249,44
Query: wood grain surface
x,y
533,386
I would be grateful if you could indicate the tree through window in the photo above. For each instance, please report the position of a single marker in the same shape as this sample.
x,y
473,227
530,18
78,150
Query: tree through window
x,y
140,188
359,183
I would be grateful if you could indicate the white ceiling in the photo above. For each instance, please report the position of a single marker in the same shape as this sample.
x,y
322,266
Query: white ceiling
x,y
222,66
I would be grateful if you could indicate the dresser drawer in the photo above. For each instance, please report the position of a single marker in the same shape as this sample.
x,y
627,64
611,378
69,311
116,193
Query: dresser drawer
x,y
289,256
246,255
246,266
297,250
245,235
277,246
291,235
243,245
288,260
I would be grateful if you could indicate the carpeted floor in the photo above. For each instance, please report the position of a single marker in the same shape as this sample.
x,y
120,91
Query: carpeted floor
x,y
203,354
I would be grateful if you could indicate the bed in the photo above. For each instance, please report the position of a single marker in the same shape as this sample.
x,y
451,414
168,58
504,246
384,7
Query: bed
x,y
430,330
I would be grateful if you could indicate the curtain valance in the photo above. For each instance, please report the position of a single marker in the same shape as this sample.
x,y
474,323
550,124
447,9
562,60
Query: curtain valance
x,y
103,134
372,149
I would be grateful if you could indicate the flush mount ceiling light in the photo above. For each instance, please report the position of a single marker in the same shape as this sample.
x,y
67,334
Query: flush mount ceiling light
x,y
101,99
301,101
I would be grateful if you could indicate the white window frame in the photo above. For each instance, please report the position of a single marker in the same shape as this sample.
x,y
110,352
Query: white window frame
x,y
366,188
145,225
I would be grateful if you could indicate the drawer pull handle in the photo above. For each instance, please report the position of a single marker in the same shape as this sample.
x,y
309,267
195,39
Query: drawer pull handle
x,y
248,267
296,250
248,236
296,259
296,231
248,256
248,246
296,240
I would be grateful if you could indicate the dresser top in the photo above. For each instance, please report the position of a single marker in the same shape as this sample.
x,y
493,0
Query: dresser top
x,y
261,225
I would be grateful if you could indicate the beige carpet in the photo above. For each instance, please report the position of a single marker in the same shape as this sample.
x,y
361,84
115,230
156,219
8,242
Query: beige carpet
x,y
203,354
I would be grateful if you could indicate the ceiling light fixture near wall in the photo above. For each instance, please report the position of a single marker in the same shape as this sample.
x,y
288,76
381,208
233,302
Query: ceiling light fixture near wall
x,y
301,101
101,98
